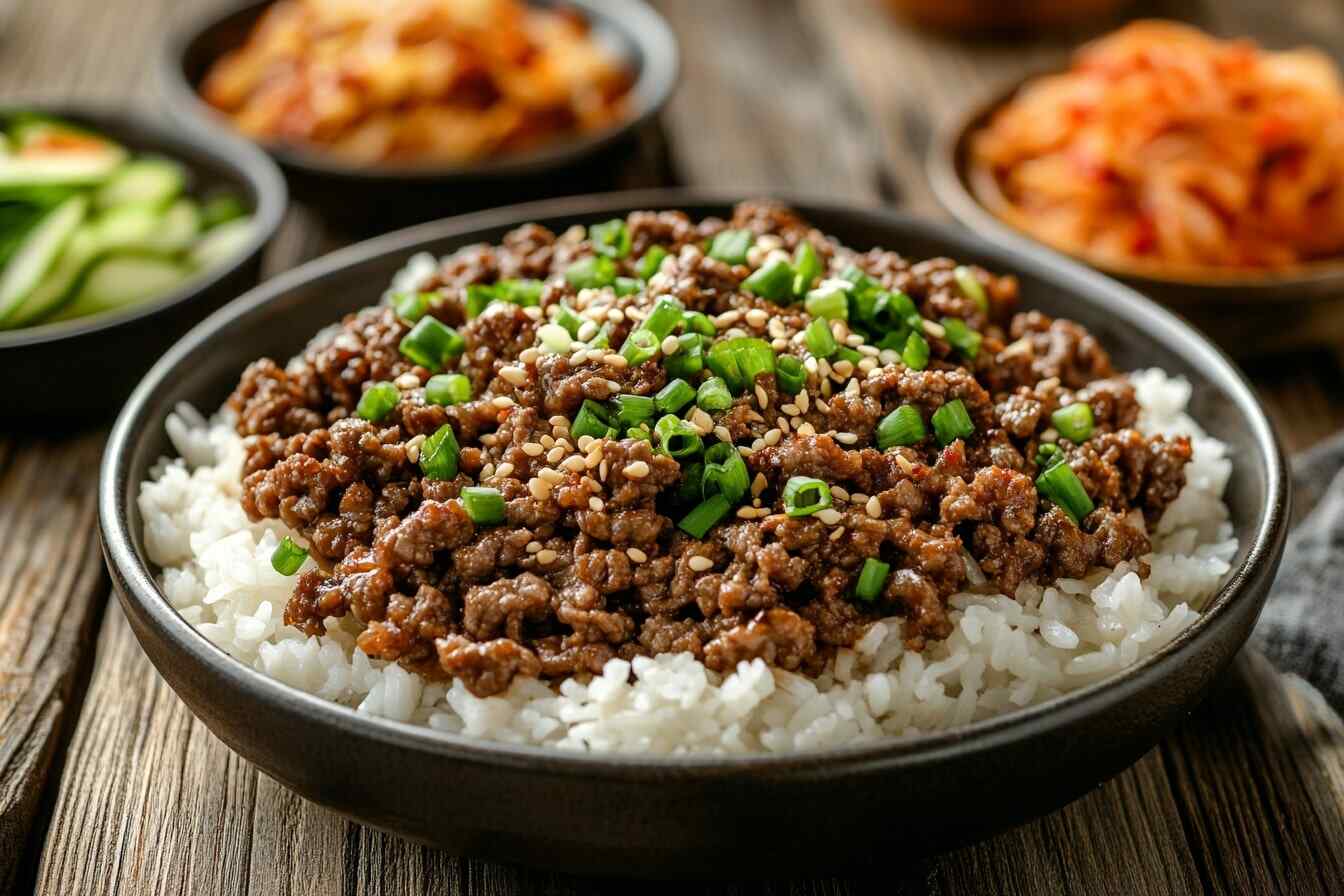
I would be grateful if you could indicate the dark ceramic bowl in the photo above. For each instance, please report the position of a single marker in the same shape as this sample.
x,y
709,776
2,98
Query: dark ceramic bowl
x,y
654,816
369,199
75,372
1249,313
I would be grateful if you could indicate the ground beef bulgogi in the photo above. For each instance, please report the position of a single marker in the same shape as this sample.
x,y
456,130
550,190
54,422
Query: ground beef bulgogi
x,y
598,552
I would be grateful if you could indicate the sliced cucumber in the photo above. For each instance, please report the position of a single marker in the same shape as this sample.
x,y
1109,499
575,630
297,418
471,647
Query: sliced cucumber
x,y
121,280
143,182
16,220
57,170
61,281
128,226
220,209
38,252
221,244
178,228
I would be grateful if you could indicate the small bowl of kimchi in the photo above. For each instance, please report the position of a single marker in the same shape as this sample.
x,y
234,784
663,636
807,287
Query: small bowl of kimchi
x,y
1206,173
387,114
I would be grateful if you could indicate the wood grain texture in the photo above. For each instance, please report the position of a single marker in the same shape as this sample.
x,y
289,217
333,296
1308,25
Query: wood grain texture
x,y
831,97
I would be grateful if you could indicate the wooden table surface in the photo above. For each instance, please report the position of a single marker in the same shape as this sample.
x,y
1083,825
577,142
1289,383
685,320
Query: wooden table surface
x,y
109,785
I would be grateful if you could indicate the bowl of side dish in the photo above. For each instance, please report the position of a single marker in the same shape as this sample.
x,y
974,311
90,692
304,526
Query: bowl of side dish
x,y
1248,251
455,107
115,237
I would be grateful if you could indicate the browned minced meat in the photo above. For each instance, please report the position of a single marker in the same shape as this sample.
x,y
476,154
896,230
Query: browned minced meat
x,y
588,563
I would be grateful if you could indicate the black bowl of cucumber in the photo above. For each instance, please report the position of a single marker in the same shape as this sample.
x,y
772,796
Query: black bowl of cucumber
x,y
115,237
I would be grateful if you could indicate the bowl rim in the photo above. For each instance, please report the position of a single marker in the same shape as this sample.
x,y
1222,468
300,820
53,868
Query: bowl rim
x,y
945,166
250,167
638,22
136,583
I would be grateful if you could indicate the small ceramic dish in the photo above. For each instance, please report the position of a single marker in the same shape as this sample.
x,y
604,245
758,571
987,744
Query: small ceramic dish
x,y
1248,313
74,372
371,198
696,815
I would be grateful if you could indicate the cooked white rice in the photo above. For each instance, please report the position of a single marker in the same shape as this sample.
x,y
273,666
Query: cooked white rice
x,y
1004,653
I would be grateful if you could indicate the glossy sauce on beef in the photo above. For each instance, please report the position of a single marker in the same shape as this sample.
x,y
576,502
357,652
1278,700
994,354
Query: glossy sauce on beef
x,y
589,563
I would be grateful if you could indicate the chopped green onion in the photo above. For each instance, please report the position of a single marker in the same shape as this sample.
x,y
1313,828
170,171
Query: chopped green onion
x,y
971,287
845,353
663,319
916,352
632,410
640,432
804,496
652,262
819,338
857,276
287,557
569,319
674,396
725,473
1061,485
861,304
1074,422
479,296
962,337
676,437
1047,455
699,322
754,357
871,579
592,420
902,426
377,402
640,346
411,306
627,286
431,344
806,267
438,454
554,339
951,422
603,337
713,395
448,389
610,238
722,361
526,293
483,504
689,359
593,272
828,301
689,489
773,281
895,310
731,246
790,374
895,340
704,516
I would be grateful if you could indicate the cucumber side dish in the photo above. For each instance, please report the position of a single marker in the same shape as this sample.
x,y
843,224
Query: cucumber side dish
x,y
87,227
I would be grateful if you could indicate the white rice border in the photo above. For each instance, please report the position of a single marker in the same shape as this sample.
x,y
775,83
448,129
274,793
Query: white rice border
x,y
756,709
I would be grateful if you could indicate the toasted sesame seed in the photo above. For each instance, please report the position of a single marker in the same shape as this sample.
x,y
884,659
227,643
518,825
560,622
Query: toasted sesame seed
x,y
615,315
637,555
791,409
503,401
529,355
702,421
595,503
602,469
505,469
540,488
546,556
614,386
751,513
1022,346
554,455
777,329
533,312
761,398
758,485
727,318
586,442
735,333
805,429
867,365
904,464
846,438
413,453
852,387
830,516
934,329
1050,435
757,317
757,444
593,459
669,345
874,508
489,439
839,493
533,547
853,340
489,470
551,475
889,356
587,330
722,433
573,463
839,531
858,498
772,437
782,424
844,369
611,359
823,406
803,400
579,357
596,354
407,381
700,563
636,470
811,365
532,449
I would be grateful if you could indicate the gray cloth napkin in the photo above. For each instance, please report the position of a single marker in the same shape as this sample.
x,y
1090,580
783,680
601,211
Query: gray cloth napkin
x,y
1302,627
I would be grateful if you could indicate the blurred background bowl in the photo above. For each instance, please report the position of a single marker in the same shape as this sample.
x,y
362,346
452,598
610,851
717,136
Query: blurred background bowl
x,y
1248,314
78,372
368,199
979,15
